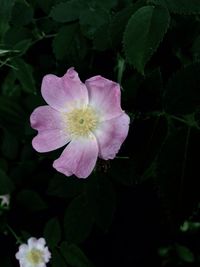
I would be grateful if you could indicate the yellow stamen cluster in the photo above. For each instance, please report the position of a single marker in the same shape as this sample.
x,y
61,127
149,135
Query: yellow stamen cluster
x,y
80,122
35,256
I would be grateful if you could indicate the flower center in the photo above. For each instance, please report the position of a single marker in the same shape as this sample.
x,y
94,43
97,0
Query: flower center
x,y
80,122
35,256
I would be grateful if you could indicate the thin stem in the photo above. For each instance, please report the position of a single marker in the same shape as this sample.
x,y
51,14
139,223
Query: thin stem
x,y
18,239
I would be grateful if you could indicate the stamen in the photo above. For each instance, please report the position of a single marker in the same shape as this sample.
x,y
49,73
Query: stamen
x,y
80,122
35,256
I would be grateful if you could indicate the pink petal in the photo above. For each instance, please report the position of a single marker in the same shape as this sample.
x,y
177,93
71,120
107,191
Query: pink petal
x,y
111,134
105,97
66,92
46,118
78,158
50,140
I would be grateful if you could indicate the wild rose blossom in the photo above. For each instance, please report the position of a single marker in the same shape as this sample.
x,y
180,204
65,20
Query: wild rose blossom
x,y
33,254
4,200
88,117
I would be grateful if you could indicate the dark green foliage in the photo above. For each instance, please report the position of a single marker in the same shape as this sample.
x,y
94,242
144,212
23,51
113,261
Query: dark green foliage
x,y
6,184
74,256
144,32
182,93
147,199
52,232
78,220
180,7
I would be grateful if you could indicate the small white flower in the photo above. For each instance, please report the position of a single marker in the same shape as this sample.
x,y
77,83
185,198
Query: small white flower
x,y
35,254
5,200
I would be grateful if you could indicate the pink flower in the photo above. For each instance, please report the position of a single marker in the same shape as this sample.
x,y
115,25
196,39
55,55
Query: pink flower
x,y
87,116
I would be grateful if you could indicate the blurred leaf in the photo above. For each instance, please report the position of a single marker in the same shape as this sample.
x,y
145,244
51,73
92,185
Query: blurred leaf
x,y
22,14
57,259
47,5
22,46
10,145
24,74
8,87
16,35
119,21
180,6
143,34
23,170
177,171
184,253
6,185
52,232
107,3
182,94
78,220
68,11
74,256
196,48
101,40
102,201
30,201
61,186
5,13
11,114
3,164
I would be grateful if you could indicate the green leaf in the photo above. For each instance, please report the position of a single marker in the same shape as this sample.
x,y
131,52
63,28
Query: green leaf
x,y
74,256
30,201
57,259
78,220
15,35
24,74
143,34
52,232
6,185
64,41
184,253
180,6
182,94
101,196
92,19
70,45
5,14
120,20
66,12
22,14
61,186
22,46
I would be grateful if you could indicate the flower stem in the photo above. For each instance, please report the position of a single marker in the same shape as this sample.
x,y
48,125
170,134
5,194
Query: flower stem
x,y
18,239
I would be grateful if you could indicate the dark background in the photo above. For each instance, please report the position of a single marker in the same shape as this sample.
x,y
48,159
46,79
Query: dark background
x,y
142,208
